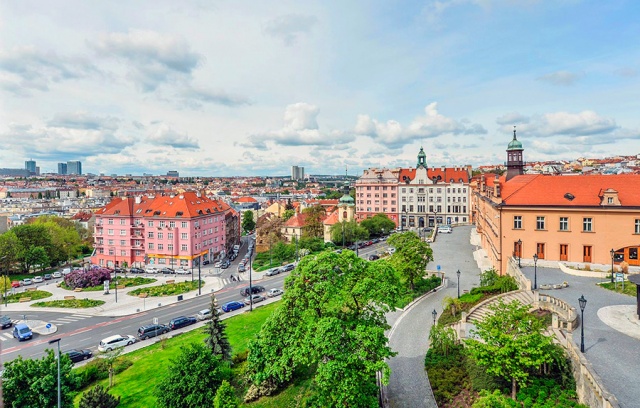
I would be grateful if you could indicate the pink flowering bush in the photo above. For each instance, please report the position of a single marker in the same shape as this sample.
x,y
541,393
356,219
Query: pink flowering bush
x,y
82,279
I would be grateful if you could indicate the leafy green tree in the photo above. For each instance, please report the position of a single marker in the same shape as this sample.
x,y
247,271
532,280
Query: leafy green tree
x,y
248,224
511,343
378,225
331,319
192,379
9,248
35,255
216,339
442,339
34,382
98,397
225,396
411,257
313,227
288,214
352,232
110,358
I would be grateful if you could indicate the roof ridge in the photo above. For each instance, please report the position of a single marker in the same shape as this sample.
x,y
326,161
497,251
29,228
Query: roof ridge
x,y
523,185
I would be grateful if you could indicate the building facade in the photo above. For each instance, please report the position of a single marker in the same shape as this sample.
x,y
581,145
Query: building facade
x,y
74,167
62,168
168,230
577,219
30,166
297,173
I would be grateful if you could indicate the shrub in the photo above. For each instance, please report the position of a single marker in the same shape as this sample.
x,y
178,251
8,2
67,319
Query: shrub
x,y
240,357
82,279
624,267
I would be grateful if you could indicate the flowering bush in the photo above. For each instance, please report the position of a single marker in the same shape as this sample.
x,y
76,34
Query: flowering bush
x,y
82,279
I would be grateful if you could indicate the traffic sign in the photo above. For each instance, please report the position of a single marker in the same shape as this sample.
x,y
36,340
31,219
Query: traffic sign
x,y
619,277
438,268
48,326
155,320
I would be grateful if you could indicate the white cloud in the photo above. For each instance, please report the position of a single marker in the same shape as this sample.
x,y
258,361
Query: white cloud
x,y
564,78
290,27
164,135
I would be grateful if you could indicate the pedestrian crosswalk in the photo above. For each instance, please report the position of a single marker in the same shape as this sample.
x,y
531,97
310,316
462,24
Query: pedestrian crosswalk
x,y
68,319
6,335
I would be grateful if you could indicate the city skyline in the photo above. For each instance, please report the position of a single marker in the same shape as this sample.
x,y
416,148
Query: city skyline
x,y
248,89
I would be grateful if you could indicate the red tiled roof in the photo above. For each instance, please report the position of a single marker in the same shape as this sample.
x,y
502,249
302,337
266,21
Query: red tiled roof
x,y
297,221
184,205
246,200
332,218
543,189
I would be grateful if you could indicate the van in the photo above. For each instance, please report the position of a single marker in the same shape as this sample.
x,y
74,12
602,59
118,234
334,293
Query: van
x,y
236,248
254,289
22,332
152,330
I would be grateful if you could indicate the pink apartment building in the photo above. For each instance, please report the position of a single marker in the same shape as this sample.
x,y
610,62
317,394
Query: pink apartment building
x,y
168,230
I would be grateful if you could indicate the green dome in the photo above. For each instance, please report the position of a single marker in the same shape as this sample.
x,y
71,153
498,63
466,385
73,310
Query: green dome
x,y
515,143
346,199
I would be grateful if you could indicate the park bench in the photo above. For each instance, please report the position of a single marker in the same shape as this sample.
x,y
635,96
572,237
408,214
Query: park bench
x,y
25,299
69,298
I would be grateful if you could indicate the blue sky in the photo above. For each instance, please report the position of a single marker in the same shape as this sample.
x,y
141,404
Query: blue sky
x,y
250,88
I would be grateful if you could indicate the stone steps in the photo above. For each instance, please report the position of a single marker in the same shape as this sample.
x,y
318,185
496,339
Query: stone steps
x,y
481,312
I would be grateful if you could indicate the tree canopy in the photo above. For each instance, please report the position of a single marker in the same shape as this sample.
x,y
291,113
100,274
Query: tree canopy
x,y
216,339
248,224
313,227
511,343
331,319
378,225
352,232
411,257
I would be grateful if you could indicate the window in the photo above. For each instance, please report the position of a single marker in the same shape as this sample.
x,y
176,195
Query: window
x,y
517,222
183,247
170,235
161,224
110,242
110,221
110,232
150,234
123,222
123,242
637,229
160,247
123,253
150,245
183,224
123,232
172,224
587,225
150,224
633,253
183,235
170,247
540,223
564,223
160,235
609,200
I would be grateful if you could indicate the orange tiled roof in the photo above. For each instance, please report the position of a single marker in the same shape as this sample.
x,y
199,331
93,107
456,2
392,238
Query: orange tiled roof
x,y
543,189
331,219
297,221
246,200
184,205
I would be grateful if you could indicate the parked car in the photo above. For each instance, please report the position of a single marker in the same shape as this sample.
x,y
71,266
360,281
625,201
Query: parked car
x,y
205,262
288,267
373,257
151,269
204,314
274,292
15,284
22,332
27,282
47,276
217,264
38,279
445,229
244,261
391,250
79,355
5,322
231,306
181,321
182,271
241,268
256,299
115,341
225,264
167,271
273,272
152,330
254,289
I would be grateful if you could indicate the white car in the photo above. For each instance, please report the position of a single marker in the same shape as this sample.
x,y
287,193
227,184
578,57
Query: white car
x,y
27,282
38,279
57,274
274,292
182,271
113,342
151,269
445,229
204,314
217,264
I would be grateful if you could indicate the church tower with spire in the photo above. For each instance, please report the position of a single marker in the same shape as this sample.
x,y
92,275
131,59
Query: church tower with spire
x,y
422,159
515,164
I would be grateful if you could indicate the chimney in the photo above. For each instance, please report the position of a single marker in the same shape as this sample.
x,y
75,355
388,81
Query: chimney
x,y
138,199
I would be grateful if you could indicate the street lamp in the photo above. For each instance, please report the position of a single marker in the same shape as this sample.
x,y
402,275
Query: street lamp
x,y
115,272
535,271
612,252
583,302
519,252
59,395
250,283
458,273
199,278
434,314
6,280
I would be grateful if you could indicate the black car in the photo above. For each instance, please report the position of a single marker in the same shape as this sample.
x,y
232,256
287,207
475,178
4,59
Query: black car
x,y
373,257
181,321
254,289
152,330
288,267
352,247
205,262
79,355
5,322
167,271
136,270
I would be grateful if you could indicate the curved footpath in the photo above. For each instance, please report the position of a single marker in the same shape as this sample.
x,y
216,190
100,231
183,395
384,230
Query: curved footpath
x,y
408,385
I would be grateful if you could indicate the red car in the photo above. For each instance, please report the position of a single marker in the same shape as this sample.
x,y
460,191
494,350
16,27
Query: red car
x,y
15,284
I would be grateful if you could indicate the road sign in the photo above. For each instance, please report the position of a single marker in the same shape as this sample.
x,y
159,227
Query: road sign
x,y
619,277
438,268
155,320
48,326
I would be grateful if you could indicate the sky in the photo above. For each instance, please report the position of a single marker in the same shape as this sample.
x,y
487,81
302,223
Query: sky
x,y
235,87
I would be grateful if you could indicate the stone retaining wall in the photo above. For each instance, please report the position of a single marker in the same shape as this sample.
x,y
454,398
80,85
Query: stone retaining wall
x,y
513,270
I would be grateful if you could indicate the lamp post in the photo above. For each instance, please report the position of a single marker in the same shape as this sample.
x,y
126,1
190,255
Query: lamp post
x,y
583,302
458,273
6,279
519,252
535,271
199,280
612,252
250,284
59,395
434,314
115,273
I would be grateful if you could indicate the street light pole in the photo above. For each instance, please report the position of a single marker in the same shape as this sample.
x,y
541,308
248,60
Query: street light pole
x,y
583,302
115,273
612,252
458,273
59,395
250,283
434,314
6,280
519,252
535,271
199,279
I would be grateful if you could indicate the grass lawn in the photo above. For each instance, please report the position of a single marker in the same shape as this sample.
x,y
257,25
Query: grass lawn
x,y
127,282
71,303
168,289
34,295
629,288
136,384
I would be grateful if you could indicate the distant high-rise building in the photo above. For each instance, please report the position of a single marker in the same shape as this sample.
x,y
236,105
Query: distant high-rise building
x,y
62,168
74,167
30,166
173,173
297,173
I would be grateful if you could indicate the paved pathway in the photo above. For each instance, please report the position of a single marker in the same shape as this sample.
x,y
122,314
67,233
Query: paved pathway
x,y
408,385
614,355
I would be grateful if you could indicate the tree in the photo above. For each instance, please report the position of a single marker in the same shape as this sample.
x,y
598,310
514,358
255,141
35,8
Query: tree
x,y
225,396
288,214
289,205
511,343
411,257
216,339
192,379
331,318
442,339
36,255
248,224
34,383
313,227
98,397
352,232
110,357
378,225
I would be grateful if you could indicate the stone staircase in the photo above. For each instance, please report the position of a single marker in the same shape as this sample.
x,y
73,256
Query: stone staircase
x,y
482,310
